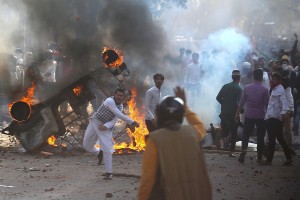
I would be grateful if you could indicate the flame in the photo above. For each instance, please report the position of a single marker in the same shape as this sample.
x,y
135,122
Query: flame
x,y
29,98
138,142
116,63
77,90
51,140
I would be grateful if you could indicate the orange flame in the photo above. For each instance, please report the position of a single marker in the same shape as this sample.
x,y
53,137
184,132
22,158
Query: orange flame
x,y
77,90
29,98
138,142
51,140
116,63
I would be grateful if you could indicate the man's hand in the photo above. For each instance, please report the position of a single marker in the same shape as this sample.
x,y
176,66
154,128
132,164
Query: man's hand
x,y
136,124
154,122
102,128
179,92
133,125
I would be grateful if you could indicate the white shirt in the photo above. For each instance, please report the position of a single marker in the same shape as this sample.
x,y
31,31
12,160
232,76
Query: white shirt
x,y
193,73
266,81
278,104
289,98
47,70
151,101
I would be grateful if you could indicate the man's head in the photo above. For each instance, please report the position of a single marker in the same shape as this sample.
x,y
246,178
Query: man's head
x,y
170,110
181,51
158,80
246,68
261,61
236,75
195,57
284,60
258,74
119,95
276,79
188,52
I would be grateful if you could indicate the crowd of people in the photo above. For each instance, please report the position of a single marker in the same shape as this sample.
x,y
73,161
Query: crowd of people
x,y
265,96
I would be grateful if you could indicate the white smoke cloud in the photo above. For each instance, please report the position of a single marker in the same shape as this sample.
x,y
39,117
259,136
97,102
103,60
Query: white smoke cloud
x,y
11,27
226,48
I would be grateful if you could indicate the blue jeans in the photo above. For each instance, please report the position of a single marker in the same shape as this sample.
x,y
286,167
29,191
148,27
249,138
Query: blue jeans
x,y
260,134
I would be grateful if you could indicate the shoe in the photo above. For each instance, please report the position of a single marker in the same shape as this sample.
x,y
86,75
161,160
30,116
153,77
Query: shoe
x,y
264,162
288,162
242,157
108,176
232,155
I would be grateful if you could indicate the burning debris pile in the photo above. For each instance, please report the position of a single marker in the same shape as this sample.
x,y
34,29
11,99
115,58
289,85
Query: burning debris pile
x,y
38,125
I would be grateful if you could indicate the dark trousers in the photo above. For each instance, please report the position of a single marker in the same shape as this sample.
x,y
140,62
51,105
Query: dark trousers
x,y
150,126
229,131
260,134
275,129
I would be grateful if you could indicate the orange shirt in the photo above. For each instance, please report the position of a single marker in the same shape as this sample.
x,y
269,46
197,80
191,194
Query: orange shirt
x,y
150,158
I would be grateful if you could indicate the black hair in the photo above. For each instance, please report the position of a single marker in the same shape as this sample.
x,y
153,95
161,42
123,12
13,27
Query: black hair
x,y
276,75
258,74
120,90
188,51
195,54
286,82
158,75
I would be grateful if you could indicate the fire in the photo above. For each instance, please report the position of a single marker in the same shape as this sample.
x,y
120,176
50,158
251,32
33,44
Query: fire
x,y
138,142
29,98
77,90
116,55
51,140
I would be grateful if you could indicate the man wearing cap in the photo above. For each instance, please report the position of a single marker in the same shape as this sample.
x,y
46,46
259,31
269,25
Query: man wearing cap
x,y
229,97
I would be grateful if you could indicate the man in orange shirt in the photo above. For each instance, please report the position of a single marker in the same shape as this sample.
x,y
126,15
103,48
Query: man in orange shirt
x,y
173,163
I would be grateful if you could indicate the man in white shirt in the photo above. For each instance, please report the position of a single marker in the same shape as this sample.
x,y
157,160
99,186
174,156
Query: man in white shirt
x,y
152,98
276,112
193,77
100,128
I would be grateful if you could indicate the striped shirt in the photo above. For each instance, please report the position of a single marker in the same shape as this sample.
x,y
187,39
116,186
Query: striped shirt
x,y
109,110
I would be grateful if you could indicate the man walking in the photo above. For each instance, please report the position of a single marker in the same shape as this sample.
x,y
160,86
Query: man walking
x,y
100,128
256,97
229,97
192,78
277,109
